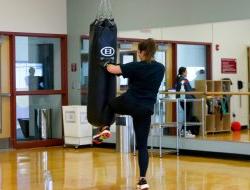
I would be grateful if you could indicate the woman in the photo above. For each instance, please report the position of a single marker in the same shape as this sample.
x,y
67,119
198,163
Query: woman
x,y
181,79
145,78
182,82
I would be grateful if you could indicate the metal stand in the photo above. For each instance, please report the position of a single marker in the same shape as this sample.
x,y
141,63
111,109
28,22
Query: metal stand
x,y
178,125
163,124
202,123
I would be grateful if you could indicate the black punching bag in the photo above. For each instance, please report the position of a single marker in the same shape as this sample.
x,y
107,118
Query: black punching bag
x,y
101,84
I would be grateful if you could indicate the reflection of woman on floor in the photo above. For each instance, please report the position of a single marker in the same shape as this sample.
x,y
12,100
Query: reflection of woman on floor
x,y
181,79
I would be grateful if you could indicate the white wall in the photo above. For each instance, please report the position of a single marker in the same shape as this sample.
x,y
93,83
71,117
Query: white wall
x,y
139,14
35,16
144,33
233,38
194,33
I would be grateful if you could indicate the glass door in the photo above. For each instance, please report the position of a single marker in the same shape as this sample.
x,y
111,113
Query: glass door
x,y
40,87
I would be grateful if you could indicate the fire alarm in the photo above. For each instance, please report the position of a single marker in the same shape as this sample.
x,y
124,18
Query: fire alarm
x,y
217,47
73,67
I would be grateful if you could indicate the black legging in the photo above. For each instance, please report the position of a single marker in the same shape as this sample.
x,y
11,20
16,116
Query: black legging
x,y
127,105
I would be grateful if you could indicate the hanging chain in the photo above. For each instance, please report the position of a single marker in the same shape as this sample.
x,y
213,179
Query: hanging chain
x,y
104,10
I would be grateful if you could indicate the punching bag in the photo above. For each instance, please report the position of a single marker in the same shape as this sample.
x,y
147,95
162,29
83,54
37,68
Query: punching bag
x,y
101,84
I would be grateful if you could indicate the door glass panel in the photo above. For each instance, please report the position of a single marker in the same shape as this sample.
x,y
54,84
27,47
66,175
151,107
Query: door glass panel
x,y
126,57
160,56
193,57
38,63
84,70
38,117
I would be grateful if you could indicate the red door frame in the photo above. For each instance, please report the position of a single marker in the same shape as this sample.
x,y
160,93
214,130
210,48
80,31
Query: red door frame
x,y
63,92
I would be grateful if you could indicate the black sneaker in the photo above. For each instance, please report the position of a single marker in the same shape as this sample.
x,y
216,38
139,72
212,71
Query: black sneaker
x,y
102,135
142,184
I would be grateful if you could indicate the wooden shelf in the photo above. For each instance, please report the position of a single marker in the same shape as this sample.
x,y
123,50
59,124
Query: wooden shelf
x,y
218,123
227,122
221,131
210,122
215,123
210,86
217,86
226,86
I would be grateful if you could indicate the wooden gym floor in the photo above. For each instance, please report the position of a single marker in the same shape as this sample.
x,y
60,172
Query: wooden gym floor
x,y
104,169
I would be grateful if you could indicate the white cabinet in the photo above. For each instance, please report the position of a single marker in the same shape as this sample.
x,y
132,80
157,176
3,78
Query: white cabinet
x,y
77,130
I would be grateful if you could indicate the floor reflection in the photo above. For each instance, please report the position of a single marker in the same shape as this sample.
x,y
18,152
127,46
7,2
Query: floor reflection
x,y
235,136
103,169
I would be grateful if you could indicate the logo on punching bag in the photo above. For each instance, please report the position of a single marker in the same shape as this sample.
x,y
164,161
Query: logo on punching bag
x,y
107,51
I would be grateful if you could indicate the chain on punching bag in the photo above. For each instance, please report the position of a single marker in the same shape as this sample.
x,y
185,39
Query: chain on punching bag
x,y
102,48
